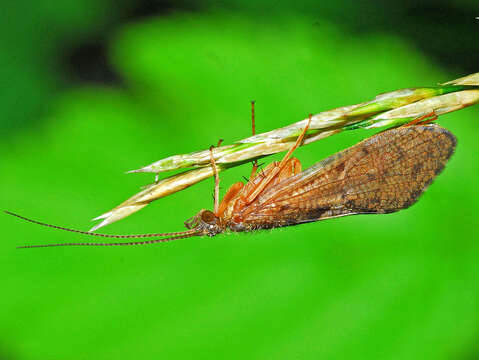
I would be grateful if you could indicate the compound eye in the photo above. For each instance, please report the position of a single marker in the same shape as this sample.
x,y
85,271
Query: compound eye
x,y
208,217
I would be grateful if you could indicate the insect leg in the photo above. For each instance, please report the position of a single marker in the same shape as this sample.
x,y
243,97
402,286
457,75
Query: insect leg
x,y
253,131
423,120
217,178
299,141
277,168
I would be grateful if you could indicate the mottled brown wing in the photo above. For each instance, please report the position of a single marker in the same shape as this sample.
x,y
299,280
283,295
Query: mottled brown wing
x,y
382,174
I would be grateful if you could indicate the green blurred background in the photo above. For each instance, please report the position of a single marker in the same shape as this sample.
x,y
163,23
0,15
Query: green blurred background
x,y
93,88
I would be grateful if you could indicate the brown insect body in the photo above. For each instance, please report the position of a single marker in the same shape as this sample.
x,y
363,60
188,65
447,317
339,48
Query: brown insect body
x,y
382,174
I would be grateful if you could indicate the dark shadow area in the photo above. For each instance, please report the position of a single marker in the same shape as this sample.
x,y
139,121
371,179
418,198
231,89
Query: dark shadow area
x,y
72,54
146,8
445,31
88,62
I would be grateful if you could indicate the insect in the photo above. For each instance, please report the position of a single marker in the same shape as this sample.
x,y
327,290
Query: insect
x,y
382,174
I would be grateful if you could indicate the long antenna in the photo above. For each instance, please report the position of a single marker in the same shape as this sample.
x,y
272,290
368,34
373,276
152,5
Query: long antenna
x,y
172,235
192,233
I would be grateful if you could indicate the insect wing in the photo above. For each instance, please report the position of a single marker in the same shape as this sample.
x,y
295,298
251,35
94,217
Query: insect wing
x,y
382,174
